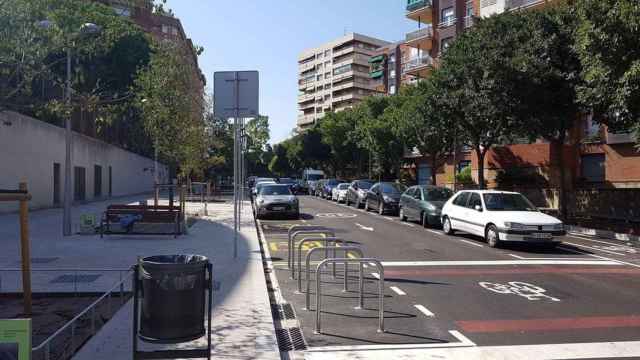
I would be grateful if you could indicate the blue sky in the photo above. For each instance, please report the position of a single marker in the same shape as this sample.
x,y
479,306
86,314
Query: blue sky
x,y
268,35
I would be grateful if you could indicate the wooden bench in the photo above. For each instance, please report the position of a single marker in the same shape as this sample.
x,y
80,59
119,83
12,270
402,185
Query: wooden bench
x,y
162,214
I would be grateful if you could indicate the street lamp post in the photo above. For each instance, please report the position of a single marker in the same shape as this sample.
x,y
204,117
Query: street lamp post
x,y
86,29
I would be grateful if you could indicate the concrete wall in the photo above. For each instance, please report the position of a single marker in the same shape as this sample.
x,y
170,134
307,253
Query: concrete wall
x,y
29,148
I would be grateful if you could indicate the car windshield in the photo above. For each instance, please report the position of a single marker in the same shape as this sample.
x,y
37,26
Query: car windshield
x,y
314,177
392,188
364,185
332,182
286,181
343,186
437,194
275,190
507,202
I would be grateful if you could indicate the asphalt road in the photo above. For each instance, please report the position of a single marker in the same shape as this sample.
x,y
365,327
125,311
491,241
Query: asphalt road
x,y
457,291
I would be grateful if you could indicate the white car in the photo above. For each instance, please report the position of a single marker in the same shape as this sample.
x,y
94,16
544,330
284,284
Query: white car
x,y
339,193
500,216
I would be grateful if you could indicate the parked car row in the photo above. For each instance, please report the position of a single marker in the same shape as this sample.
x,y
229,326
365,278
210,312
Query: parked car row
x,y
497,216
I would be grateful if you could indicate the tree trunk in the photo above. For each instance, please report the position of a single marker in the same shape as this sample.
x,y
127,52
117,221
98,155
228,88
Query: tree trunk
x,y
434,169
562,204
480,154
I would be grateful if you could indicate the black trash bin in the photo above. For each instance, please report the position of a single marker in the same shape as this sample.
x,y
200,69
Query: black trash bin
x,y
173,290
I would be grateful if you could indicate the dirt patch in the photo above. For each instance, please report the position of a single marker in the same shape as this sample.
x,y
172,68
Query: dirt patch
x,y
52,312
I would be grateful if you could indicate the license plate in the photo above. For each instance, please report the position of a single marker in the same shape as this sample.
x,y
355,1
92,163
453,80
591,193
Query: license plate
x,y
541,235
278,208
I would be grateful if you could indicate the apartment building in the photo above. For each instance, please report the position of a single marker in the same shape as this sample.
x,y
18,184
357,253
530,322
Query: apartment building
x,y
334,76
386,68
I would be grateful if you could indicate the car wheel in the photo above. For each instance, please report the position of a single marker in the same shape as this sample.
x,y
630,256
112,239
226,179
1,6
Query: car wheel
x,y
297,215
425,220
492,237
401,215
446,226
380,208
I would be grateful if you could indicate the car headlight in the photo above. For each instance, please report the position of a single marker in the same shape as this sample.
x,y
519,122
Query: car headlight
x,y
431,207
385,198
558,227
361,192
514,226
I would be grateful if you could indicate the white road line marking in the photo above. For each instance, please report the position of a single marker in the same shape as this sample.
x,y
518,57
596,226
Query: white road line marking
x,y
471,243
376,275
364,227
424,310
500,262
397,290
599,241
407,224
330,350
388,218
364,266
603,258
372,264
434,231
594,248
544,258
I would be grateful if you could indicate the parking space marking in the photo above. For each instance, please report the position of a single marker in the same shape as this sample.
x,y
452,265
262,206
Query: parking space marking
x,y
544,258
593,240
498,262
590,322
376,275
424,310
388,218
364,227
434,232
595,248
407,224
528,291
471,243
397,290
365,266
372,264
463,342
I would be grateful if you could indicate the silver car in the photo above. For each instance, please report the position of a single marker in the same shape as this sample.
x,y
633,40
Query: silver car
x,y
276,199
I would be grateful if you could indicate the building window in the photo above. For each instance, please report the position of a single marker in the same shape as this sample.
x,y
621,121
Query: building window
x,y
445,43
319,77
327,53
463,165
79,184
392,89
327,75
448,16
392,59
593,169
469,8
392,74
342,69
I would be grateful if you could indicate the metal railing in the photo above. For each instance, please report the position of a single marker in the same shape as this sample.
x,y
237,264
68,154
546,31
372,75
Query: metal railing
x,y
297,230
328,236
360,261
447,22
417,62
469,21
327,241
424,32
71,325
345,287
514,4
74,271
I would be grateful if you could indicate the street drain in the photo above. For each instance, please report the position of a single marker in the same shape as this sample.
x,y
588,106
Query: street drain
x,y
287,309
276,311
290,339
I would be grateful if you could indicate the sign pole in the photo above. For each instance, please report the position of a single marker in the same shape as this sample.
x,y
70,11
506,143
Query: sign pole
x,y
26,250
236,121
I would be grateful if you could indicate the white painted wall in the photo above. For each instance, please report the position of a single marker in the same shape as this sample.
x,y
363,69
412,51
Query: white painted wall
x,y
29,148
490,7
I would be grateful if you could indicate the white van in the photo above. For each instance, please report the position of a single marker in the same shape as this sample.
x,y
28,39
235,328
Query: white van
x,y
310,177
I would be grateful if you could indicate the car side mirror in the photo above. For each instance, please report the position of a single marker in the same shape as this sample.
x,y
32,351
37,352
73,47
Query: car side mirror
x,y
478,208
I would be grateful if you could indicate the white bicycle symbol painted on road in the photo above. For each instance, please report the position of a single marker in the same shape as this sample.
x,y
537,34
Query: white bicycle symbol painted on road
x,y
336,215
526,290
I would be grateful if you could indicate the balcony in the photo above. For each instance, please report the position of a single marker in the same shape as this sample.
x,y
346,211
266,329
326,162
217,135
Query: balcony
x,y
419,66
421,39
420,10
447,22
469,21
526,4
619,138
305,97
376,74
305,119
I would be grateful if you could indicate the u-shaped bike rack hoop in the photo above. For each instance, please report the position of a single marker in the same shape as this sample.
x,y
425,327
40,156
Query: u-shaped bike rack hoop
x,y
295,234
356,261
347,250
327,242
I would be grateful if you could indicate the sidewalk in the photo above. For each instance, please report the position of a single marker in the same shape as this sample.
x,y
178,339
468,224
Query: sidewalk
x,y
242,323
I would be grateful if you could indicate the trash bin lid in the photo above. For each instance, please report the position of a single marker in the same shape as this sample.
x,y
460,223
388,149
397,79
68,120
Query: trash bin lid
x,y
174,259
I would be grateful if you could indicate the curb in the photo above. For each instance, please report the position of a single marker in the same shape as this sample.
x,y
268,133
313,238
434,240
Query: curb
x,y
606,234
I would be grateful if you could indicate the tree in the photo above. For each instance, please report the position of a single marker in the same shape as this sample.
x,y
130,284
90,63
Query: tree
x,y
375,131
607,44
423,123
279,164
337,131
479,82
549,74
312,151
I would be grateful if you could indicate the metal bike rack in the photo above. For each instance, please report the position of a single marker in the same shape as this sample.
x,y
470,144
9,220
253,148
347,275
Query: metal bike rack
x,y
295,234
346,250
326,249
360,261
326,240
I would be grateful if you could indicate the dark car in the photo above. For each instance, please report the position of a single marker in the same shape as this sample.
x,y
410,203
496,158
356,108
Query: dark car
x,y
327,186
424,203
357,192
384,196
